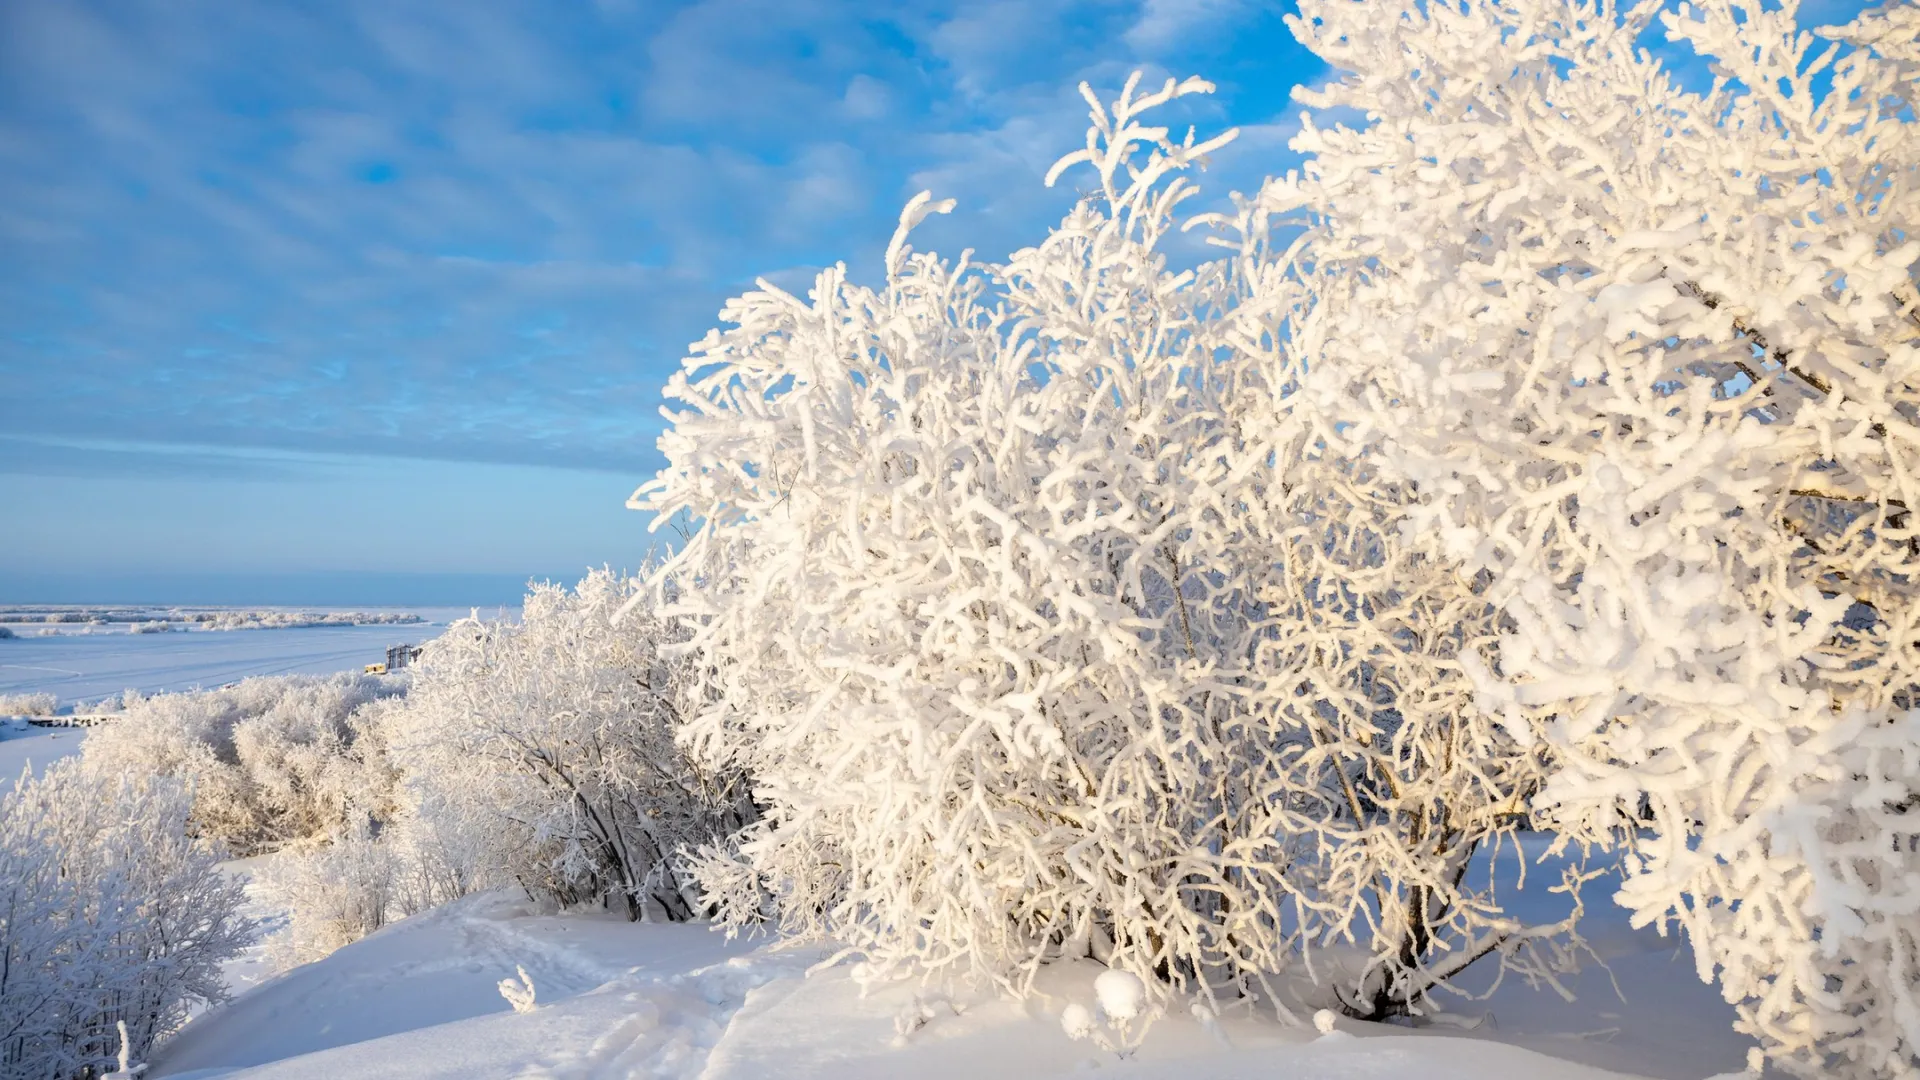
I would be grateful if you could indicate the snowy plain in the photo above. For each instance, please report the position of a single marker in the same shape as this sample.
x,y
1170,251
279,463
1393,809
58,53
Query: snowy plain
x,y
81,668
421,998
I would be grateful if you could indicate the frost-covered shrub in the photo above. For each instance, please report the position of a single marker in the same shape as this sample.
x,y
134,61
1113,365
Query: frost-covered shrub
x,y
28,704
543,752
1390,781
113,704
334,894
374,871
1041,624
110,912
539,753
970,630
1648,363
270,760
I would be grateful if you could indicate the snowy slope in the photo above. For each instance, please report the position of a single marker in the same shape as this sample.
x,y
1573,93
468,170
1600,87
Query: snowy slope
x,y
825,1028
421,999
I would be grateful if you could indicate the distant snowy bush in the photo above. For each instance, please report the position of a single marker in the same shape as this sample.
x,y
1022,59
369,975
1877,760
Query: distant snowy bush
x,y
293,620
544,752
111,913
270,760
28,704
401,851
334,894
540,753
112,704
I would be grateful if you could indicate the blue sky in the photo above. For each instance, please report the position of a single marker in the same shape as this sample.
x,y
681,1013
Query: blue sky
x,y
355,286
366,286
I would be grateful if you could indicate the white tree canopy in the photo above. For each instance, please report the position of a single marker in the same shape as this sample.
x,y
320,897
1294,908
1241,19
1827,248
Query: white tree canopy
x,y
1651,361
1041,623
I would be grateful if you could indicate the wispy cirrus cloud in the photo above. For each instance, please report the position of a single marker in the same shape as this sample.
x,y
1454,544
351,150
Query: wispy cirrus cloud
x,y
483,230
480,233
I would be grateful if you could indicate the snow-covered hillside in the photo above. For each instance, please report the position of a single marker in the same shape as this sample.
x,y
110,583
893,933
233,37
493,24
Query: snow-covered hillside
x,y
421,999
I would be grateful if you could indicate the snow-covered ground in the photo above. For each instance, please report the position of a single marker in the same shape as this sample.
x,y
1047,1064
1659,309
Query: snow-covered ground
x,y
85,668
22,744
256,965
421,999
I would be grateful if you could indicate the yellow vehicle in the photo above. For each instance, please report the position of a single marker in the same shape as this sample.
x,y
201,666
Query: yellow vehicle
x,y
376,669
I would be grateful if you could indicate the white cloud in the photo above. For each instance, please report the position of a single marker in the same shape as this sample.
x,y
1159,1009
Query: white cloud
x,y
370,221
1165,24
866,98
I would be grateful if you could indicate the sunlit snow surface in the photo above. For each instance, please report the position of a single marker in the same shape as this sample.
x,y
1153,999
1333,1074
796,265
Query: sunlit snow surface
x,y
420,999
22,744
85,668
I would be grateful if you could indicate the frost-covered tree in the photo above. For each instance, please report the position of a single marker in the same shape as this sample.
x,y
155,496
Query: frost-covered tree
x,y
1041,623
962,634
544,752
114,919
1647,362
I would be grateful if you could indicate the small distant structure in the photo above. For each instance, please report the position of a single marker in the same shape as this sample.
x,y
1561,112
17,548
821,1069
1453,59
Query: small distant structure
x,y
398,657
72,719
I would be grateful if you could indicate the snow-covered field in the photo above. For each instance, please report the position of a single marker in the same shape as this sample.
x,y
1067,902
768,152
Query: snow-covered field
x,y
84,668
614,999
22,744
